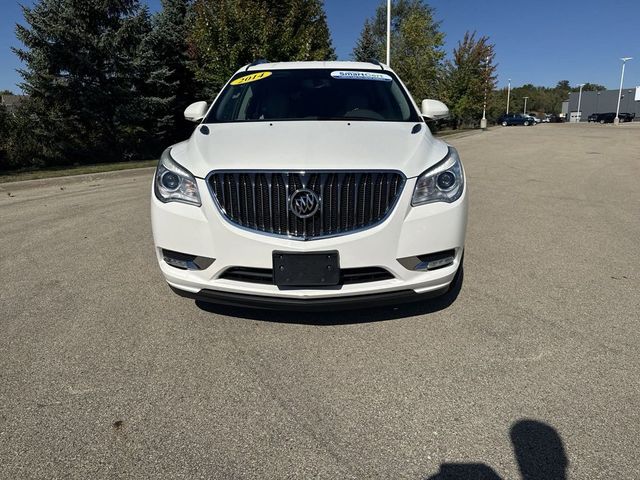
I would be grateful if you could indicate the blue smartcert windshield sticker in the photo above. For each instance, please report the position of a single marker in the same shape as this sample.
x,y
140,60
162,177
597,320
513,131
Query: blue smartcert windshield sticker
x,y
349,75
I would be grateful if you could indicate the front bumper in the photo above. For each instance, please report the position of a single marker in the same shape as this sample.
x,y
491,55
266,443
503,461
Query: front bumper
x,y
343,302
408,231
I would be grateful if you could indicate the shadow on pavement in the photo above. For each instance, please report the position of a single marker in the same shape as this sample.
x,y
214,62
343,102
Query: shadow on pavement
x,y
343,317
538,450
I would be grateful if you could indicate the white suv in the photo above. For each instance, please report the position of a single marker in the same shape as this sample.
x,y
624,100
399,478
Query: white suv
x,y
310,184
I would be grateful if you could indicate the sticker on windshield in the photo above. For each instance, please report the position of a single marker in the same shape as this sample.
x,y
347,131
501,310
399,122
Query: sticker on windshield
x,y
349,75
251,78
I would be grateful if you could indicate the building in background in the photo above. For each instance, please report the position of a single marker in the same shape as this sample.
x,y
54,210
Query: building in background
x,y
604,101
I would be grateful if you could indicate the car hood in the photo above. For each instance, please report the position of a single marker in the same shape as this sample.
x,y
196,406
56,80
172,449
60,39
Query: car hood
x,y
310,145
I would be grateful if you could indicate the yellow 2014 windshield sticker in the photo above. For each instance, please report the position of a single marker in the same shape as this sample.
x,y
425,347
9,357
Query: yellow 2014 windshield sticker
x,y
251,78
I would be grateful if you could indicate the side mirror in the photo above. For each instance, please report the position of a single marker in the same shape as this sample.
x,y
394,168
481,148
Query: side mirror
x,y
434,109
196,111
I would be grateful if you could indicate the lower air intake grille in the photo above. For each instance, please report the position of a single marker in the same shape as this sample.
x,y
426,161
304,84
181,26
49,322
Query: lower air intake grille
x,y
347,275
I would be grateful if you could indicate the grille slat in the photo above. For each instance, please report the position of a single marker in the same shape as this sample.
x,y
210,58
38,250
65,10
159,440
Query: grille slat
x,y
348,200
348,276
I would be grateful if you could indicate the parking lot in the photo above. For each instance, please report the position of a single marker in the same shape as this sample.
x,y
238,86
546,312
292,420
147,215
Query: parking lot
x,y
533,368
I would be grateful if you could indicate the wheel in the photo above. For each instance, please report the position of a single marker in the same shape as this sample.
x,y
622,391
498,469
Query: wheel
x,y
526,124
602,122
504,124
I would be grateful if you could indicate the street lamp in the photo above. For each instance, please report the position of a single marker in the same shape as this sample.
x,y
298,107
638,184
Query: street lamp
x,y
508,95
483,122
525,106
389,33
579,116
624,62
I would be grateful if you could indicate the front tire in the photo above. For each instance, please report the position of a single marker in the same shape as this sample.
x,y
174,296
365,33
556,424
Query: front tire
x,y
526,124
601,122
504,124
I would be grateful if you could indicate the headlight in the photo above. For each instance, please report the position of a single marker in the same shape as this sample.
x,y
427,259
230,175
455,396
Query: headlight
x,y
443,182
173,183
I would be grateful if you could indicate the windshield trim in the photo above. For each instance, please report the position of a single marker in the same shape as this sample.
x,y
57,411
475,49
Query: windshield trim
x,y
415,115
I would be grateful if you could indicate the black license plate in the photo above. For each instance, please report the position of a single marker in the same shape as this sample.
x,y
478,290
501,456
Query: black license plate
x,y
306,269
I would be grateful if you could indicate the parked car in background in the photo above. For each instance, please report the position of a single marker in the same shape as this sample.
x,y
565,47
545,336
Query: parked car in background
x,y
515,119
552,118
602,117
534,118
626,117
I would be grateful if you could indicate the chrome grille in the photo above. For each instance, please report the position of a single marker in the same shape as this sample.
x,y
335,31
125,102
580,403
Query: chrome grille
x,y
348,200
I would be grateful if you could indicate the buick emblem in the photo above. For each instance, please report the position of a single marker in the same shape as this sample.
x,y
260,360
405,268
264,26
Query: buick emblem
x,y
304,203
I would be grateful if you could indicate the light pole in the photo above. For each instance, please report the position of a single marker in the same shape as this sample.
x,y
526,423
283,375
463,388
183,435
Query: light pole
x,y
389,33
483,122
508,95
579,117
624,62
525,106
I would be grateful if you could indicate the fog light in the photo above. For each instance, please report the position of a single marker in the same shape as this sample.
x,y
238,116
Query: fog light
x,y
430,261
178,263
185,261
433,264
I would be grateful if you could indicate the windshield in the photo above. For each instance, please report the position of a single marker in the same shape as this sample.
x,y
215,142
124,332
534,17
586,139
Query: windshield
x,y
313,94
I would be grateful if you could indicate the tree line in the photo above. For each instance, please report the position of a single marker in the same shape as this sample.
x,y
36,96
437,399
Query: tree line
x,y
108,81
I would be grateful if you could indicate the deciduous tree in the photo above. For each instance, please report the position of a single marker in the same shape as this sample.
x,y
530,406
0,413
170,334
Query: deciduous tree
x,y
227,34
416,45
470,78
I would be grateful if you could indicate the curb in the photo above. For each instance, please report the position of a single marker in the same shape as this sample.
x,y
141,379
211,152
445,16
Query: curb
x,y
70,179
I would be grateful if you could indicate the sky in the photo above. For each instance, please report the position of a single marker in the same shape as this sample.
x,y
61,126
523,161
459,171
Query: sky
x,y
537,41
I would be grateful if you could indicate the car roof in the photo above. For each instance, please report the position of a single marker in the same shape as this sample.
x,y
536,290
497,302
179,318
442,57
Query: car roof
x,y
337,65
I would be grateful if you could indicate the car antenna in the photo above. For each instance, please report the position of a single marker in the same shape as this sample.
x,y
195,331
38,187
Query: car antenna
x,y
259,61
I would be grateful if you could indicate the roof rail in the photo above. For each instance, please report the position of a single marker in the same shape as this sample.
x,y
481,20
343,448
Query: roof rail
x,y
376,62
259,61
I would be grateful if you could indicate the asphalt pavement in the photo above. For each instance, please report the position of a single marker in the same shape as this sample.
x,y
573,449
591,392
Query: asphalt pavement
x,y
531,370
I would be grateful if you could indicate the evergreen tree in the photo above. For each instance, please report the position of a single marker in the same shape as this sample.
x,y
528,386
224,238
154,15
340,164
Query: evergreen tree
x,y
470,78
171,85
23,148
416,44
227,34
4,134
368,45
84,77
